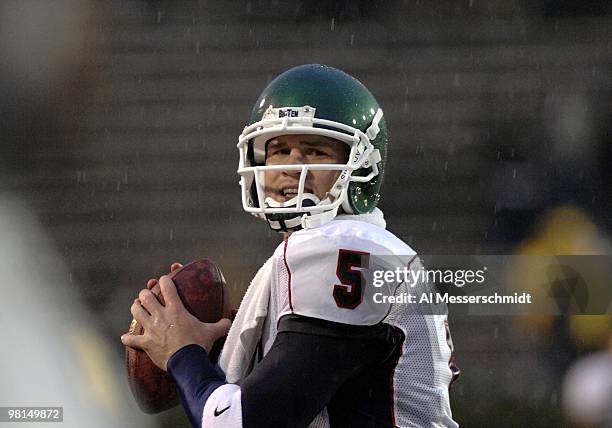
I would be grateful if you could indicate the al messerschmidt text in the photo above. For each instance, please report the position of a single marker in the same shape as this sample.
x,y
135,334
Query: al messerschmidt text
x,y
524,298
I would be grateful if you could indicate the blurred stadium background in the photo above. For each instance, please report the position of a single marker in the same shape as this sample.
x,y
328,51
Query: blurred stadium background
x,y
120,121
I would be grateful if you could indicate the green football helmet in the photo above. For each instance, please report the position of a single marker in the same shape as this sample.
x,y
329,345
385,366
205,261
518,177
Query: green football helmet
x,y
320,100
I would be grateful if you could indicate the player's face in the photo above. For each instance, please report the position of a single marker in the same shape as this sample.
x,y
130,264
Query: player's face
x,y
302,149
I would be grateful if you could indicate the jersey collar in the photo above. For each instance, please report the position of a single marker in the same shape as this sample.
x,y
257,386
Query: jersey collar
x,y
376,218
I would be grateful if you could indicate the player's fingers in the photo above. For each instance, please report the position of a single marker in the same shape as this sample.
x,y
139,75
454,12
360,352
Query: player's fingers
x,y
134,341
168,289
149,301
175,266
140,314
151,283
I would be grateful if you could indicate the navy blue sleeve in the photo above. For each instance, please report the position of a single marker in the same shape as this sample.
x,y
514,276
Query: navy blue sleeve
x,y
196,379
310,360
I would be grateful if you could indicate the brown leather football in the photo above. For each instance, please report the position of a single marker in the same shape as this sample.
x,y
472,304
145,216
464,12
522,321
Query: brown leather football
x,y
202,289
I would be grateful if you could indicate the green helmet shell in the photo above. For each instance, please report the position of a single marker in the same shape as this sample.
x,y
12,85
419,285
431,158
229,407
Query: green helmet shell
x,y
337,97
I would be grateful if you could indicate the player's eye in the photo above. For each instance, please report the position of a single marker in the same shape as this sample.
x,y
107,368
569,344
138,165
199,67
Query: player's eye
x,y
316,153
278,151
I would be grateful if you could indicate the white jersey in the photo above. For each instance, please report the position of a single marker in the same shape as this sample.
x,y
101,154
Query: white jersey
x,y
316,274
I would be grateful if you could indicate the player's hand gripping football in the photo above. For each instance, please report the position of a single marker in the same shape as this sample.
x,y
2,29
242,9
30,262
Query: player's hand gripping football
x,y
171,327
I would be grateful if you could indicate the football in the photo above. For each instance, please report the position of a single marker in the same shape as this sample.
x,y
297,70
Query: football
x,y
202,289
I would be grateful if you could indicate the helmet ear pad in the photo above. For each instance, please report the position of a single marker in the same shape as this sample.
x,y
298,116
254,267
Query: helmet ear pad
x,y
362,198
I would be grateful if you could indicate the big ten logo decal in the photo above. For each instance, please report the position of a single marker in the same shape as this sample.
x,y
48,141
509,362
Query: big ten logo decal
x,y
287,113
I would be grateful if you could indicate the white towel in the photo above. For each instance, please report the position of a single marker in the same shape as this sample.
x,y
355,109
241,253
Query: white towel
x,y
246,329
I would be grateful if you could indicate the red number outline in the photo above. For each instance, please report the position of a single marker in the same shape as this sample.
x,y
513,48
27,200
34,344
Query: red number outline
x,y
345,294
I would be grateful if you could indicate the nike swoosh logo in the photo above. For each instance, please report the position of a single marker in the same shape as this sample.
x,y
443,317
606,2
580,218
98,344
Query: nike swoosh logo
x,y
218,412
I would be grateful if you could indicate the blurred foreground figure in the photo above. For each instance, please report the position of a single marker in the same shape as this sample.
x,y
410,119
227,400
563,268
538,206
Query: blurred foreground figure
x,y
587,391
51,353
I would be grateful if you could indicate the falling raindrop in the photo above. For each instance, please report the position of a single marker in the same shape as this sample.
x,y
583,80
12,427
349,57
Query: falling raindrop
x,y
352,39
171,234
333,24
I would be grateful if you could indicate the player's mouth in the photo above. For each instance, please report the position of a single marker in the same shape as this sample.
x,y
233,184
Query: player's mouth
x,y
289,193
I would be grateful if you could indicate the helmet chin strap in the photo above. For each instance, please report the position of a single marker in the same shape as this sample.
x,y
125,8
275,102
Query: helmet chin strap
x,y
316,220
285,222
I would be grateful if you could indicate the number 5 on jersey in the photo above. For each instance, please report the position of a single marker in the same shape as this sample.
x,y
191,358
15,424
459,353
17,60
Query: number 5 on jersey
x,y
349,294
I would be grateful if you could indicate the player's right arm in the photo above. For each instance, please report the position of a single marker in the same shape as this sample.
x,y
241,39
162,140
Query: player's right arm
x,y
308,363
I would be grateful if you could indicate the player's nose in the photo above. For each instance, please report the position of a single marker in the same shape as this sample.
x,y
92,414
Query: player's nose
x,y
296,155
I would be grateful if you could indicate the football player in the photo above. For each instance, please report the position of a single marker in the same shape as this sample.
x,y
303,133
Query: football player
x,y
310,344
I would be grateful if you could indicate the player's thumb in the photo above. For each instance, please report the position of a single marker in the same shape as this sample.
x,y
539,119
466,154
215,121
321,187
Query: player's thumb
x,y
221,327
